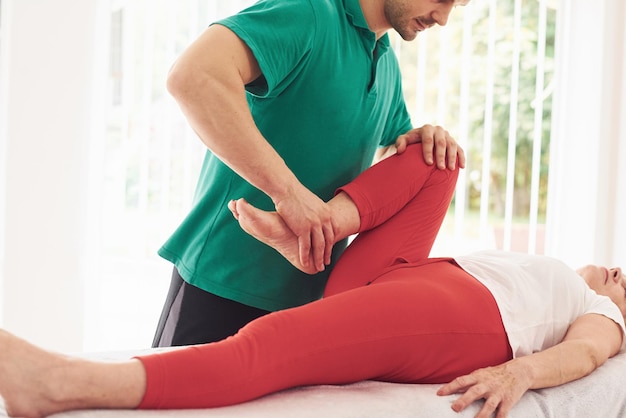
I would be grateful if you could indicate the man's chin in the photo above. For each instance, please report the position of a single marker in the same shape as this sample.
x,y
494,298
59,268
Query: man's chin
x,y
408,35
408,32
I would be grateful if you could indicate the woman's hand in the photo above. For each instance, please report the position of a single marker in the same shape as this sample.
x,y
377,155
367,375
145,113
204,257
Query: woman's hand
x,y
590,340
501,386
438,146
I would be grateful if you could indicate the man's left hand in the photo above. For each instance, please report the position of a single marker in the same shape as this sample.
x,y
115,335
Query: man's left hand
x,y
437,144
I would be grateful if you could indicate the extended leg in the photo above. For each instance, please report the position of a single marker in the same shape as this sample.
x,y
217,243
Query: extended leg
x,y
415,327
37,383
409,326
401,198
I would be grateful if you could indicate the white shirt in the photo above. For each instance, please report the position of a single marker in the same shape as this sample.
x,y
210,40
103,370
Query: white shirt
x,y
539,297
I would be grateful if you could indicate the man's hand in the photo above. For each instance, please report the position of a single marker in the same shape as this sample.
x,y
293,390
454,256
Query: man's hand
x,y
501,386
437,145
309,218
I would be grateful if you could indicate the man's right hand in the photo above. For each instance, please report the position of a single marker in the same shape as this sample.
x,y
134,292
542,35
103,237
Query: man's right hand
x,y
309,218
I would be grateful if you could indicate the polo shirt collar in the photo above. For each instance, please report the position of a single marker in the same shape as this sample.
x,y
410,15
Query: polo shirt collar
x,y
357,18
355,13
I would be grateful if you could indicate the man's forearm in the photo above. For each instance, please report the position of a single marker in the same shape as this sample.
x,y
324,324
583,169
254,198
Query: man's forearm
x,y
208,82
217,111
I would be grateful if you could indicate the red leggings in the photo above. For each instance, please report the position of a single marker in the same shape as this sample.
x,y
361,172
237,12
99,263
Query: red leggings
x,y
389,313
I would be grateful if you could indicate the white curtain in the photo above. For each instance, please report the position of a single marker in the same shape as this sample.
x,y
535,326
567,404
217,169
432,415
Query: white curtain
x,y
587,196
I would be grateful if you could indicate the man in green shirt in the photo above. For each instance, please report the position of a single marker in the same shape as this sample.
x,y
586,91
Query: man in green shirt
x,y
293,98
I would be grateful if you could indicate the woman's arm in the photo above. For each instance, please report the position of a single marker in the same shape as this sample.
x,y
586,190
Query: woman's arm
x,y
589,342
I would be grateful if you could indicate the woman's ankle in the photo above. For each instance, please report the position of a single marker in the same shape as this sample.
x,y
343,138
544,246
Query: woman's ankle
x,y
345,216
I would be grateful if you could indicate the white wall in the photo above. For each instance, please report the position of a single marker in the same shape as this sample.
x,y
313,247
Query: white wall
x,y
587,202
619,239
4,84
48,129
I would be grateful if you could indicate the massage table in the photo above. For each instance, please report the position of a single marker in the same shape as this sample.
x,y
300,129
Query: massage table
x,y
599,395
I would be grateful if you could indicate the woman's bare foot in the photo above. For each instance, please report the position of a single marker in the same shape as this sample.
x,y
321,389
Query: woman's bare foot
x,y
270,229
27,382
36,383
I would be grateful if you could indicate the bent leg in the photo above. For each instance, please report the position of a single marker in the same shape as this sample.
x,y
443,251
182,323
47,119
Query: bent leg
x,y
402,202
399,329
397,205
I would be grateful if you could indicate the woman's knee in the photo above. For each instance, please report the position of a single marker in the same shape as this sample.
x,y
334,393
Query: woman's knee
x,y
415,152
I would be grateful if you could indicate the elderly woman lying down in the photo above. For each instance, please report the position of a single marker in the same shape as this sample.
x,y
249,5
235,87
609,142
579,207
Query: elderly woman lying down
x,y
489,325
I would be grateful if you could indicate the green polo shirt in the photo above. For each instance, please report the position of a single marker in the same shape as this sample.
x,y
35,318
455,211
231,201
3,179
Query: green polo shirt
x,y
329,96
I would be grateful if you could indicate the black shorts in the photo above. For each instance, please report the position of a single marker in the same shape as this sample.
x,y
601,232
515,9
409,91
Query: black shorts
x,y
193,316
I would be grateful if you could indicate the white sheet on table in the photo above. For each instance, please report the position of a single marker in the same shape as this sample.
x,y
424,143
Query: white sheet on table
x,y
601,394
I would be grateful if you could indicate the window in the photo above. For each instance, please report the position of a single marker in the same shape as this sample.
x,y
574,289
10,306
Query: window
x,y
488,77
150,168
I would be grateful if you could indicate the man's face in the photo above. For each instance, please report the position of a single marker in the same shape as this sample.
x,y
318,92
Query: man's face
x,y
409,17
